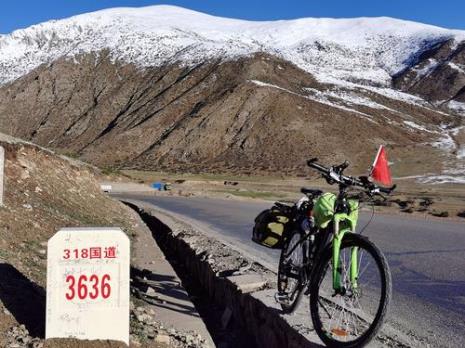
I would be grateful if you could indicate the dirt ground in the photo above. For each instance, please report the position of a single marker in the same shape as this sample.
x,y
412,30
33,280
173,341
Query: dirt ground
x,y
44,192
410,197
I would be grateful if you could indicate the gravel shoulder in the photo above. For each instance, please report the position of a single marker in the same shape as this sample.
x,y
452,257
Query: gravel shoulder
x,y
43,193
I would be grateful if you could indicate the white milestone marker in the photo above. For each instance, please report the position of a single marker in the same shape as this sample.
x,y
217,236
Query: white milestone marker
x,y
2,170
88,284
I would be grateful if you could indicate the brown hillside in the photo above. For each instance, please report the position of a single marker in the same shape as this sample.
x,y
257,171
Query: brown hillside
x,y
259,114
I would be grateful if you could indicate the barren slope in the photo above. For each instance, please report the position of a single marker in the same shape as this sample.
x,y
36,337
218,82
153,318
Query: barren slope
x,y
257,113
43,193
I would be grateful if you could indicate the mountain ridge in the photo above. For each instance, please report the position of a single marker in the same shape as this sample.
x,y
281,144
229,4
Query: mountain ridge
x,y
382,46
226,101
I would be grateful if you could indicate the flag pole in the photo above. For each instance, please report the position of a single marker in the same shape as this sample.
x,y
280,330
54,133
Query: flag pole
x,y
376,159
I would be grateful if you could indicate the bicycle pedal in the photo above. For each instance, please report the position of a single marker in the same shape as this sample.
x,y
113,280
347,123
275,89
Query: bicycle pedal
x,y
281,298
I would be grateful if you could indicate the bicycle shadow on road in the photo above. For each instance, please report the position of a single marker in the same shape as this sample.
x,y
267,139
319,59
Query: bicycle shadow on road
x,y
167,292
24,299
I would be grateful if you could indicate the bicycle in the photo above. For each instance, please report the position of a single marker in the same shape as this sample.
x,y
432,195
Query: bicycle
x,y
345,274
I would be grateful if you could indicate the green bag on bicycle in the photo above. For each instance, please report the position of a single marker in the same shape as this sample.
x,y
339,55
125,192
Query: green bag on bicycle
x,y
323,211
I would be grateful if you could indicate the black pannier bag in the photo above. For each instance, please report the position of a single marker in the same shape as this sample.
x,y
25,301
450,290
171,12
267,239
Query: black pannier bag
x,y
271,226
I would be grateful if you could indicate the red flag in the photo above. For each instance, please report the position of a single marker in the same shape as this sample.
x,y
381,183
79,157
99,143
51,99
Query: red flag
x,y
380,170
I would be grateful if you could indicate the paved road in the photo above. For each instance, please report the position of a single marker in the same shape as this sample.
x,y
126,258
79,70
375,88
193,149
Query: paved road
x,y
427,260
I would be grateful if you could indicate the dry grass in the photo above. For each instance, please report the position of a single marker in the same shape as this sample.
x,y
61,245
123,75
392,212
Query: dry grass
x,y
409,197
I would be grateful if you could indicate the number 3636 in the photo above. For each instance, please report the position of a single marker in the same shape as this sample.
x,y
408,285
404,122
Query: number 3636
x,y
85,287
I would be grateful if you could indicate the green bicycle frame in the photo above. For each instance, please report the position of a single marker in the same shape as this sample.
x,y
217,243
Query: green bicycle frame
x,y
324,213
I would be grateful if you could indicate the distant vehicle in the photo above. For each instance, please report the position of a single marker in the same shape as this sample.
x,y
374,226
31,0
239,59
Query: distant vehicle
x,y
161,186
106,188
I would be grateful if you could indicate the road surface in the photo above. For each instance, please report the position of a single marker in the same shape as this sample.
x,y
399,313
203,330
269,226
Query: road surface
x,y
426,256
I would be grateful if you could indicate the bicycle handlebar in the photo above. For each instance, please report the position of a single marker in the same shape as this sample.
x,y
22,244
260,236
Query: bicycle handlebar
x,y
312,163
334,175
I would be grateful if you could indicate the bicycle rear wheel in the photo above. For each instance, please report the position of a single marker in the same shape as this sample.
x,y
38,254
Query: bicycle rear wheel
x,y
353,316
290,272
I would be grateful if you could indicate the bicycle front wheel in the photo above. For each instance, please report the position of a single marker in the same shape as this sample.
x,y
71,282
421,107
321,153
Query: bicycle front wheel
x,y
352,316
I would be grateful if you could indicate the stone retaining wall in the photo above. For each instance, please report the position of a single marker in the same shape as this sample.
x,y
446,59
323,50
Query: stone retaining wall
x,y
245,297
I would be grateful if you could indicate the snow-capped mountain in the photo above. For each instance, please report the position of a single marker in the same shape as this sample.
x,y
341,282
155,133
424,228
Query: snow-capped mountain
x,y
371,49
176,87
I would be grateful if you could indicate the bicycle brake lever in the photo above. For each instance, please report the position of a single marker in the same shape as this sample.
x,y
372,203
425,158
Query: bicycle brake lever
x,y
329,180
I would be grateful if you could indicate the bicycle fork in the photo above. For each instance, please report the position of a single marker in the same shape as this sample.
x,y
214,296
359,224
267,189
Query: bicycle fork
x,y
336,250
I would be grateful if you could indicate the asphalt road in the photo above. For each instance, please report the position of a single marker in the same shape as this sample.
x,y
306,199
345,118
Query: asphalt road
x,y
426,257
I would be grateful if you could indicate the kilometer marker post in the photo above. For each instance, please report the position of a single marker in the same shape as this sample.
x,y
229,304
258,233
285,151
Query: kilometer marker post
x,y
88,284
2,172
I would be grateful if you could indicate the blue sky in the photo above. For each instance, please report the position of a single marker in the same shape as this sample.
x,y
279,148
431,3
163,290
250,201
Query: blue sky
x,y
15,14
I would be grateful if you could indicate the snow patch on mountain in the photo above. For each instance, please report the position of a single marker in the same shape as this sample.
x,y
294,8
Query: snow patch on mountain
x,y
461,153
416,126
445,142
349,98
430,65
368,50
319,98
454,66
442,179
457,107
384,91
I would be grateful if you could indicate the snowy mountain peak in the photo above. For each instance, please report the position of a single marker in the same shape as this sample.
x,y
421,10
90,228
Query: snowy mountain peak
x,y
362,49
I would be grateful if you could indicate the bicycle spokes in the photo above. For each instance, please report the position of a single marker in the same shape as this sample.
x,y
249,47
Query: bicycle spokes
x,y
348,311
